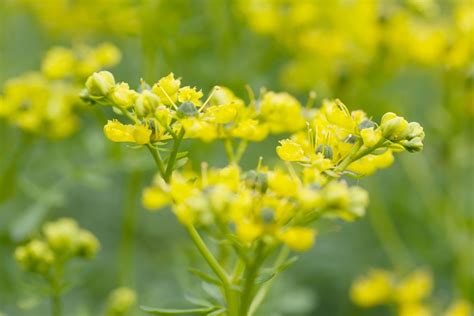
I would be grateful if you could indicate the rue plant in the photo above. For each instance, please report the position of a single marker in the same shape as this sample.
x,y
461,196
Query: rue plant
x,y
253,220
48,255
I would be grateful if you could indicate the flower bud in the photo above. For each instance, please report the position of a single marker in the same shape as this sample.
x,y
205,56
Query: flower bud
x,y
415,130
154,198
99,84
87,244
122,95
187,109
36,256
61,236
370,137
326,150
146,103
120,301
412,145
393,127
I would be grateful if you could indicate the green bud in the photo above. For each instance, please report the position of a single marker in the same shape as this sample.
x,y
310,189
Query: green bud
x,y
394,127
99,84
122,95
87,244
187,109
326,150
415,130
367,124
358,201
120,301
61,236
146,103
413,145
267,214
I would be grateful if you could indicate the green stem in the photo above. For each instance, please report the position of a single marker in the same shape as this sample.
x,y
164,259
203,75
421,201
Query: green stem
x,y
349,158
241,150
263,290
173,154
229,150
250,274
156,156
230,293
55,281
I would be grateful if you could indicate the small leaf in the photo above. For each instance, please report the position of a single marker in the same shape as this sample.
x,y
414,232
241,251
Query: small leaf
x,y
181,162
213,291
198,301
162,311
264,277
204,276
182,154
218,312
285,265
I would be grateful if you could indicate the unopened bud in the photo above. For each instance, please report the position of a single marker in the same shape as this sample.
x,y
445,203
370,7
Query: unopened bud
x,y
99,84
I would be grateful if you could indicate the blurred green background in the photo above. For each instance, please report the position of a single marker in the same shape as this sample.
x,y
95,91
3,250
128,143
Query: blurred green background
x,y
421,210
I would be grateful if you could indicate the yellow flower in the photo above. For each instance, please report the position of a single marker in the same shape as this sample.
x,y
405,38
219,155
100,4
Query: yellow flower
x,y
282,112
459,308
371,136
188,94
221,114
298,238
141,134
414,309
248,231
250,130
290,150
107,54
118,132
282,183
373,289
167,89
154,198
58,63
415,287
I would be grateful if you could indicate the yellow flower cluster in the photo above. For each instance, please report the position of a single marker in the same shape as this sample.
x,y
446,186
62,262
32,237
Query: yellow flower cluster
x,y
333,39
337,139
45,102
383,287
85,17
161,111
251,212
260,204
61,241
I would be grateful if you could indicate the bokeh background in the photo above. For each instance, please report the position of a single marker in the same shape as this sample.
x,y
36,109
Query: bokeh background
x,y
413,57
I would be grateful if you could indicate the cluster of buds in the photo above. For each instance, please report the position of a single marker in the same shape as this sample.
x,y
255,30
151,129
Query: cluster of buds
x,y
381,287
338,139
161,111
61,241
46,102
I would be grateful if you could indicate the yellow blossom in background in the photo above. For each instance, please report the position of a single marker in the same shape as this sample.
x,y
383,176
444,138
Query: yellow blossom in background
x,y
373,289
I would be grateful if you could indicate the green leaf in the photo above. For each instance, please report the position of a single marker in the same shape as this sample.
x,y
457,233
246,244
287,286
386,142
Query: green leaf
x,y
264,277
182,154
162,311
285,265
198,301
180,162
218,312
204,276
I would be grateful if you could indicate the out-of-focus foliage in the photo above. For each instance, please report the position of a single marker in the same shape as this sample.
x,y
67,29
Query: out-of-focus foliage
x,y
413,57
